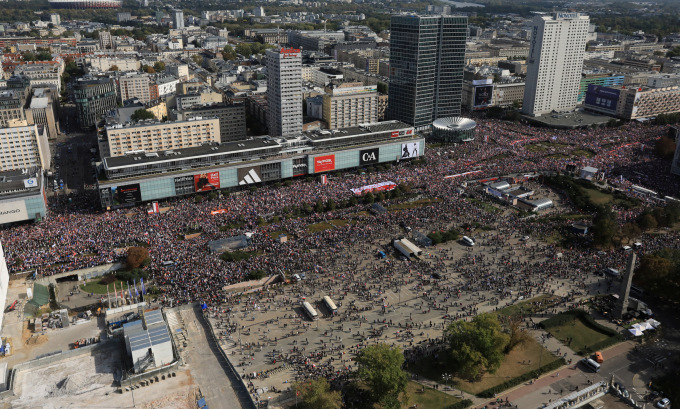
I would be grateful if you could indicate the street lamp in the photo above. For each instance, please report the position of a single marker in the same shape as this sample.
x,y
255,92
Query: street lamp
x,y
446,378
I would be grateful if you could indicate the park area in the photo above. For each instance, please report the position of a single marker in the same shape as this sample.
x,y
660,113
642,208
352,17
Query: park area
x,y
578,330
426,397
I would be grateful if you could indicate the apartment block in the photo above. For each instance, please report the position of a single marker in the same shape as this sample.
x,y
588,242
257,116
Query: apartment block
x,y
153,136
350,104
23,146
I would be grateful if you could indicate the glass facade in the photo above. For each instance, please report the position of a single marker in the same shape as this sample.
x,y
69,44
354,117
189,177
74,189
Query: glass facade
x,y
122,193
427,57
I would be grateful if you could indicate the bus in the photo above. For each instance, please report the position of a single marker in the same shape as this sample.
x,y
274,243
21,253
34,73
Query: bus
x,y
467,240
311,312
330,304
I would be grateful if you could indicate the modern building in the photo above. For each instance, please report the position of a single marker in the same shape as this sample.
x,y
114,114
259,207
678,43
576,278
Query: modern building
x,y
150,136
232,118
350,104
4,286
11,106
23,146
177,19
180,71
147,342
22,196
555,61
93,98
427,56
632,103
314,40
454,129
137,178
284,92
593,77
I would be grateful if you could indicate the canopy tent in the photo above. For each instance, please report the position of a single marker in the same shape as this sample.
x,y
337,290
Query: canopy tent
x,y
636,332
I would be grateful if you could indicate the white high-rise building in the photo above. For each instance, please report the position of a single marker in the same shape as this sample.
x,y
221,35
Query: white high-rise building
x,y
284,92
177,19
555,61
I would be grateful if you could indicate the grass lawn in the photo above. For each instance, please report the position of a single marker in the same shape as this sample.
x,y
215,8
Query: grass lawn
x,y
94,286
598,197
585,153
413,205
582,335
524,307
536,147
277,233
484,206
318,227
511,367
558,156
499,157
430,399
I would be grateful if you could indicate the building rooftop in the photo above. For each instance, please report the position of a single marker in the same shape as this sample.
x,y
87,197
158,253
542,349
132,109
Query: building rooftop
x,y
19,181
321,135
186,153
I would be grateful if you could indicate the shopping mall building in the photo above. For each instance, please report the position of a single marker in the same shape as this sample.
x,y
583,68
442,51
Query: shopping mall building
x,y
140,176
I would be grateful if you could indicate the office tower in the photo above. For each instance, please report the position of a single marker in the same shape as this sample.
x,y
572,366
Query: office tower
x,y
177,19
284,92
134,86
93,98
427,56
556,52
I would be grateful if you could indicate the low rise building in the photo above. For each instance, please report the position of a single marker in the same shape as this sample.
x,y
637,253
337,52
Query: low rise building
x,y
232,118
633,103
22,197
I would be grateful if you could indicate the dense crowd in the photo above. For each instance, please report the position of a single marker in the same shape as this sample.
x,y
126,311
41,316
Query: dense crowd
x,y
74,236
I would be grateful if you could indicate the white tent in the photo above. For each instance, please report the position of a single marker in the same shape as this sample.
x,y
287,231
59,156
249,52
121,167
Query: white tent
x,y
654,323
639,326
636,332
646,325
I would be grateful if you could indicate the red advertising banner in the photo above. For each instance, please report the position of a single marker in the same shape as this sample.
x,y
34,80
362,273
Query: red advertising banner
x,y
324,163
395,134
207,181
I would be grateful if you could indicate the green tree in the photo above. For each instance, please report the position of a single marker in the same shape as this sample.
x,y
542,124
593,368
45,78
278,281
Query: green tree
x,y
136,256
228,53
476,346
159,66
148,69
665,148
317,394
369,198
380,370
244,49
605,227
330,205
141,114
647,222
319,207
382,88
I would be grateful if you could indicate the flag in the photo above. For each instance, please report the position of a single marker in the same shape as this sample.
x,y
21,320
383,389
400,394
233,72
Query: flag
x,y
108,296
155,207
134,281
115,292
129,292
141,282
324,179
486,138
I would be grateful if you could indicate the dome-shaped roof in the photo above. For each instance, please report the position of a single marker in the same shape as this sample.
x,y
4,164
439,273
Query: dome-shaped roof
x,y
455,123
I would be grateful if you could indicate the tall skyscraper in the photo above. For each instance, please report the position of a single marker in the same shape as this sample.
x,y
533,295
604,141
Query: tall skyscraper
x,y
284,92
177,19
427,57
558,46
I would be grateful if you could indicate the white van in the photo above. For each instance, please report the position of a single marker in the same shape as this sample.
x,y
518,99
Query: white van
x,y
626,248
590,364
467,240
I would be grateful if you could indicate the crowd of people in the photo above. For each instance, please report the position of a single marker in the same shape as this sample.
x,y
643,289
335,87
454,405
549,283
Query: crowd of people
x,y
75,236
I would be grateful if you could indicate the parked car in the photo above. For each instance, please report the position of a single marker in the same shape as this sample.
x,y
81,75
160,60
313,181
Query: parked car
x,y
664,403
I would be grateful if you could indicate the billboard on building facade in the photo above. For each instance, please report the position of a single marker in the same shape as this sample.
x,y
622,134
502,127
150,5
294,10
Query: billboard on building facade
x,y
369,156
206,182
324,163
602,97
483,96
126,194
299,169
409,150
184,185
13,211
249,176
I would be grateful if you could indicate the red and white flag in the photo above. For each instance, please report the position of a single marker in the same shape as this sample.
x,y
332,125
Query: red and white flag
x,y
324,179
